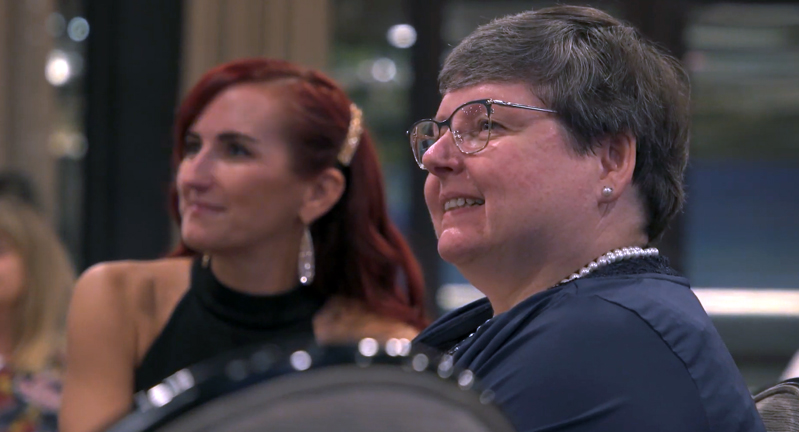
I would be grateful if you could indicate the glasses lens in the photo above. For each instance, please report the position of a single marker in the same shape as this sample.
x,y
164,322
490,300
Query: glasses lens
x,y
471,126
423,136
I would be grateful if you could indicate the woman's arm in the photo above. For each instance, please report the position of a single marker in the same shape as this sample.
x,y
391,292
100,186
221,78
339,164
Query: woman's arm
x,y
101,351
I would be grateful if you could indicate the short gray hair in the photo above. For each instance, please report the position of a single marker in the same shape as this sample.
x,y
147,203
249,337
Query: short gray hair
x,y
603,78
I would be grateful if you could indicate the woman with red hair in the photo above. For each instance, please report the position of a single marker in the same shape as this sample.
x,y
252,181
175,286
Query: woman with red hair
x,y
285,239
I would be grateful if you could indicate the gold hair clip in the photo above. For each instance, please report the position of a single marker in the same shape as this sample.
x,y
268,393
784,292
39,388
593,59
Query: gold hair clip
x,y
353,136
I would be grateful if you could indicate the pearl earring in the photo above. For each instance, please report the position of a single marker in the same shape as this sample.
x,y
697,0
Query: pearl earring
x,y
607,191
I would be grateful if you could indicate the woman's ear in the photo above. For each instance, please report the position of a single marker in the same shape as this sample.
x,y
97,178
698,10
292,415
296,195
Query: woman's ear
x,y
323,192
617,156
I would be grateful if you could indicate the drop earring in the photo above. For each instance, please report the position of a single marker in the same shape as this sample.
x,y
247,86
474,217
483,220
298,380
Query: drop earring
x,y
306,267
206,261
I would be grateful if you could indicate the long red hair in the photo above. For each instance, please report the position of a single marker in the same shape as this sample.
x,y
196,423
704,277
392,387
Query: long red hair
x,y
359,252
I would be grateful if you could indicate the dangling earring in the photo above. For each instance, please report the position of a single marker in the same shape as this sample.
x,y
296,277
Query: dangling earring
x,y
206,260
607,191
306,267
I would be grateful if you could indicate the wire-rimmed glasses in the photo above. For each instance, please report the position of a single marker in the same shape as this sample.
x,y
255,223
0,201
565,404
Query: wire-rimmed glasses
x,y
470,124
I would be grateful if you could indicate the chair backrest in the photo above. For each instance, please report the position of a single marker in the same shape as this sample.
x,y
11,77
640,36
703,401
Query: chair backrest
x,y
345,398
335,389
779,406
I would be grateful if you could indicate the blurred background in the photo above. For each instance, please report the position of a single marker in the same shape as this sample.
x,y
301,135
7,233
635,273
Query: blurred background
x,y
88,89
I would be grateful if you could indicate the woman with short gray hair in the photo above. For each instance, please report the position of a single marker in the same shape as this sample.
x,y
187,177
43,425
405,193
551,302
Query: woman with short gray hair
x,y
556,158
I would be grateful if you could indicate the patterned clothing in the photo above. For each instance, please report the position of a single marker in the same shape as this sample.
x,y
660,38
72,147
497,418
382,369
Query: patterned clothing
x,y
29,402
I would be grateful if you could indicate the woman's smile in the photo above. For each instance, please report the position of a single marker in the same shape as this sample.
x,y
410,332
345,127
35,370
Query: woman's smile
x,y
201,208
460,203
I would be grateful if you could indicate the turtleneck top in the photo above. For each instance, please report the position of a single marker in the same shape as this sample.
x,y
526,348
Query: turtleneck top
x,y
212,318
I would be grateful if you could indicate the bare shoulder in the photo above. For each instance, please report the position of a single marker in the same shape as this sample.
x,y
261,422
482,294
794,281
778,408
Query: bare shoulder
x,y
132,274
135,282
103,285
344,320
112,308
140,295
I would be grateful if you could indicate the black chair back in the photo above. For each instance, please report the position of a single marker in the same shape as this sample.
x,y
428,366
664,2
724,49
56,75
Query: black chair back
x,y
325,389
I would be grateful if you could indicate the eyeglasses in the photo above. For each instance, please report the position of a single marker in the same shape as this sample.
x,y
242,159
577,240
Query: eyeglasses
x,y
470,124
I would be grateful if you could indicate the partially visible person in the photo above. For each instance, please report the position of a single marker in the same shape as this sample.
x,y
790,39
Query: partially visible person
x,y
36,277
285,239
555,160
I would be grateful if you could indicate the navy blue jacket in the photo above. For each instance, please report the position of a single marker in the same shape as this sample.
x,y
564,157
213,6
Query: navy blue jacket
x,y
610,353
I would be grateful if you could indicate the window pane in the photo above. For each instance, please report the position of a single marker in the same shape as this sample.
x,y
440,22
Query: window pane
x,y
742,226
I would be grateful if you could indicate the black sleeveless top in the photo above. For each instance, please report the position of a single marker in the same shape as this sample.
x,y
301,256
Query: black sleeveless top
x,y
211,319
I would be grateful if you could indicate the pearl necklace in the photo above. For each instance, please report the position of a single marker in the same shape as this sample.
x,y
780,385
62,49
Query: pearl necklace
x,y
612,257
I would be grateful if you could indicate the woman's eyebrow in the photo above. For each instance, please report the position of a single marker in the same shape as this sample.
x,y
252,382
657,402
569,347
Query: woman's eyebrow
x,y
235,136
224,136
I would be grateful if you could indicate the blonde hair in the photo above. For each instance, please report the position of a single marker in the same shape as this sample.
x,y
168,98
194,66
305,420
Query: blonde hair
x,y
49,276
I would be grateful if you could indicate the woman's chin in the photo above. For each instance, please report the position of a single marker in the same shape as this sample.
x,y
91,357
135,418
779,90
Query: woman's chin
x,y
456,250
198,242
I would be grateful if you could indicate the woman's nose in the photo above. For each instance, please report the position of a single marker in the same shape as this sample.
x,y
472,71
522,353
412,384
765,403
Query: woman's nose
x,y
196,171
443,157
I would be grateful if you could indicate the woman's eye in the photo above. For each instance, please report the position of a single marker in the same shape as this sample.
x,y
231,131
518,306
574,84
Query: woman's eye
x,y
495,127
236,149
191,147
486,126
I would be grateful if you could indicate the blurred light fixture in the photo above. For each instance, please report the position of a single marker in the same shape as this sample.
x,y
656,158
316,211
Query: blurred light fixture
x,y
420,362
384,70
57,71
368,347
401,35
78,29
67,144
56,24
300,360
393,347
160,395
466,379
715,301
749,302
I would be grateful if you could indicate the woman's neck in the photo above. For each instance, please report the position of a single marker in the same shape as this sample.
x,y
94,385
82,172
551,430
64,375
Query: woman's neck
x,y
506,283
510,287
266,271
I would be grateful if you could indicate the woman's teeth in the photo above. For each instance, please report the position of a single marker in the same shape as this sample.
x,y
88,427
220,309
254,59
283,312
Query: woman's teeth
x,y
461,202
